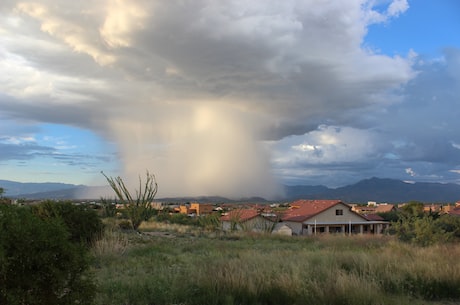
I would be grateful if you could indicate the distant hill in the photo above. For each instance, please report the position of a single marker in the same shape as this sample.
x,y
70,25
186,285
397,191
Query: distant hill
x,y
76,192
386,190
373,189
300,191
13,189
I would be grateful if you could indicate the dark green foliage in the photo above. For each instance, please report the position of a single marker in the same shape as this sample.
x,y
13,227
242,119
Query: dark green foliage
x,y
425,229
177,218
83,223
412,209
38,262
181,219
390,216
450,224
3,200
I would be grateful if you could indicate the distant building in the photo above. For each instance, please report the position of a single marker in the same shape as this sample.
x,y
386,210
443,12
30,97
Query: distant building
x,y
195,209
200,209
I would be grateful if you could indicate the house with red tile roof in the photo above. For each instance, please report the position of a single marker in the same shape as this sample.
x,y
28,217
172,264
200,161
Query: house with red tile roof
x,y
247,219
310,217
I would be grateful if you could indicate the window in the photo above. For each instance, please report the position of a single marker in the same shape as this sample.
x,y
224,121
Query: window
x,y
338,212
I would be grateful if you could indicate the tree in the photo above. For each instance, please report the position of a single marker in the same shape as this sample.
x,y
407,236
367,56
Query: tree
x,y
138,208
413,209
39,264
1,191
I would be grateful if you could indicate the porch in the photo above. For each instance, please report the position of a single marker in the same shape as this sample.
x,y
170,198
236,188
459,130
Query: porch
x,y
367,227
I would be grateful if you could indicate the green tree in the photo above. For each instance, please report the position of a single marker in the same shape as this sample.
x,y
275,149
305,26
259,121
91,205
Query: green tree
x,y
39,264
424,228
412,209
450,224
138,208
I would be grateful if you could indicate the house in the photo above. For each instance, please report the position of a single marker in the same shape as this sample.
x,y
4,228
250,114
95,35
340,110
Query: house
x,y
246,220
200,209
455,211
385,208
373,208
310,217
181,209
363,209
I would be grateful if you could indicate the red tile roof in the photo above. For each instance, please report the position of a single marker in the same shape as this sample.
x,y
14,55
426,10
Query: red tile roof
x,y
372,217
454,211
301,210
240,215
385,208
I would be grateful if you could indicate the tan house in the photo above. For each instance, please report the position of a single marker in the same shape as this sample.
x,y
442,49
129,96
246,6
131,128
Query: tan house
x,y
385,208
374,208
200,209
246,220
310,217
195,209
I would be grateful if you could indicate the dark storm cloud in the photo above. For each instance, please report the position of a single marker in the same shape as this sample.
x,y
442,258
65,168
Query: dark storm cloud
x,y
187,87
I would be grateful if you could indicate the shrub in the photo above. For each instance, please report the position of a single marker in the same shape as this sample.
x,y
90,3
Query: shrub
x,y
425,230
83,223
450,224
125,225
38,262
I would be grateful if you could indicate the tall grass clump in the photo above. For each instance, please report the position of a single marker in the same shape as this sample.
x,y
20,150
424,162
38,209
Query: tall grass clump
x,y
112,243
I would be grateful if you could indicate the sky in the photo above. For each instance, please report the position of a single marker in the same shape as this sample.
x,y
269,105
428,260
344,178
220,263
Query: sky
x,y
232,98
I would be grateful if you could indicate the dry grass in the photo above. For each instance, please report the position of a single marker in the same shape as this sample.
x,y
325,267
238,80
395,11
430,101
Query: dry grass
x,y
148,226
261,269
113,242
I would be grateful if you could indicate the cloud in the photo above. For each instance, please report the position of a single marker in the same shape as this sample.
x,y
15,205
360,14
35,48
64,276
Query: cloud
x,y
191,90
398,7
414,135
411,172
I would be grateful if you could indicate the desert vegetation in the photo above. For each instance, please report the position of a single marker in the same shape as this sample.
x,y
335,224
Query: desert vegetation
x,y
62,253
137,206
186,265
44,254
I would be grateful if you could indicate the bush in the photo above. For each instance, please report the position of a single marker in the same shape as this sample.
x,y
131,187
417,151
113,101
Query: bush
x,y
83,223
427,229
39,264
450,224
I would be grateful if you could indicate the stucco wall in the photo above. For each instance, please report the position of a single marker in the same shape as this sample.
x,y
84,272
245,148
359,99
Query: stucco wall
x,y
329,216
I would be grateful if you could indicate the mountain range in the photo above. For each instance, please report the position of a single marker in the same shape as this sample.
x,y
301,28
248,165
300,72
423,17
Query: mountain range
x,y
373,189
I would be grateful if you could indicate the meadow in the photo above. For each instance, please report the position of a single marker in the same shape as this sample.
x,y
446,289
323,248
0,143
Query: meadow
x,y
177,264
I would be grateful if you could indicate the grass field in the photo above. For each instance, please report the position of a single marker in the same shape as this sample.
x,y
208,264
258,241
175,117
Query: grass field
x,y
180,265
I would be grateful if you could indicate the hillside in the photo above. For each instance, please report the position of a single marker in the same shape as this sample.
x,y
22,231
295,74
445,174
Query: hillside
x,y
381,190
373,189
